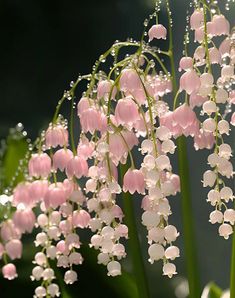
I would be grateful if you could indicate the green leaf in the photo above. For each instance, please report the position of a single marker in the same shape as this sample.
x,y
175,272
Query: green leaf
x,y
211,291
16,149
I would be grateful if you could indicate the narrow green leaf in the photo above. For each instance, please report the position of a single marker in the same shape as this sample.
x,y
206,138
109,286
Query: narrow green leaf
x,y
15,151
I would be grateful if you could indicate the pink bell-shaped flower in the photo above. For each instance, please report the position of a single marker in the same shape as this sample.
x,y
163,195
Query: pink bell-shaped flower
x,y
9,231
14,249
133,181
126,111
186,63
90,120
225,47
104,88
56,135
185,117
40,165
118,148
190,82
129,80
61,159
157,31
83,105
9,271
214,56
24,220
77,167
21,195
196,19
81,219
222,26
37,190
85,148
204,140
196,100
55,195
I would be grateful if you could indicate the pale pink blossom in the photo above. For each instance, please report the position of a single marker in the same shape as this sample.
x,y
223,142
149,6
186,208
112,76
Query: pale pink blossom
x,y
83,105
56,135
55,195
133,181
81,219
214,56
222,26
40,165
14,249
9,231
104,88
90,120
24,220
85,148
77,166
157,31
190,82
225,47
196,19
186,63
9,271
37,190
21,195
204,140
61,159
196,100
126,111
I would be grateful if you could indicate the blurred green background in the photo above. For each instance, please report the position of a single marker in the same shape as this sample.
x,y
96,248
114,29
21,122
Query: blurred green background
x,y
46,44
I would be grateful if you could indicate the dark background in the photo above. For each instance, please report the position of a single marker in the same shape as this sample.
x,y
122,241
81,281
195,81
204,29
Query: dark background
x,y
45,45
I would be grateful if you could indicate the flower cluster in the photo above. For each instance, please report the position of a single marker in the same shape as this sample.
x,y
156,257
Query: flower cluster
x,y
129,120
216,90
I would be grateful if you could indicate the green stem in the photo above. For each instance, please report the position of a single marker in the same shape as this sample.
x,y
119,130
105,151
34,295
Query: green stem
x,y
187,212
188,223
232,269
133,242
71,126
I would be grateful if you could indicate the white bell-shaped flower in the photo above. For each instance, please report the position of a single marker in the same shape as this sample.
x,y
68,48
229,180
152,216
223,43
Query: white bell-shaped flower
x,y
156,252
70,277
209,125
229,216
169,269
225,151
216,217
223,127
225,230
209,178
172,252
221,96
226,194
150,219
213,197
114,268
171,233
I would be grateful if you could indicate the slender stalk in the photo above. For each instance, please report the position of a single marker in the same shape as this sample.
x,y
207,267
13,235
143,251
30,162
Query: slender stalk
x,y
133,242
187,213
188,222
232,269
